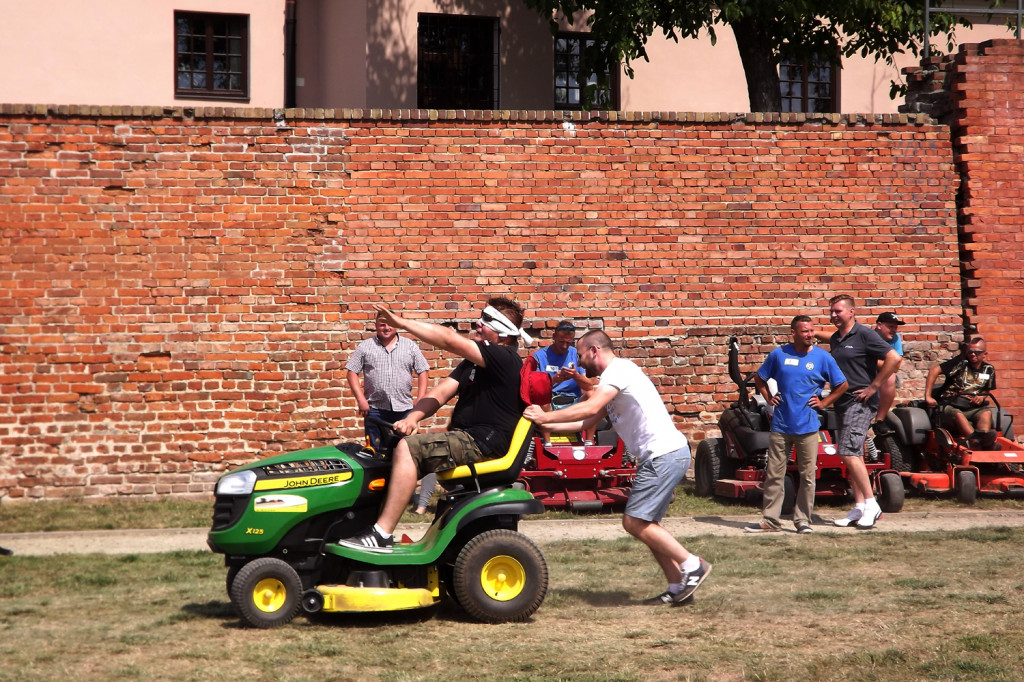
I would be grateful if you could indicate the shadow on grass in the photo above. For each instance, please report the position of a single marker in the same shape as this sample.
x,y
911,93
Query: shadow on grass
x,y
599,598
721,521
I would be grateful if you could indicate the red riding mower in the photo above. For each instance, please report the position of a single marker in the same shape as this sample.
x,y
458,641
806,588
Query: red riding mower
x,y
943,463
573,471
733,466
569,472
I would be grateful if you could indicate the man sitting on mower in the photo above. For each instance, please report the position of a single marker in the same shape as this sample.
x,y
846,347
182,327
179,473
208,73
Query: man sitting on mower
x,y
487,384
964,407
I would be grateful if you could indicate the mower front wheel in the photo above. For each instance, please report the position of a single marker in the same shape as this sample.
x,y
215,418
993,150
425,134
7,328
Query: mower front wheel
x,y
267,593
500,576
891,492
966,487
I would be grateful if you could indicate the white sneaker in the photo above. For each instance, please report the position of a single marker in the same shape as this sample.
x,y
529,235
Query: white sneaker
x,y
871,514
852,517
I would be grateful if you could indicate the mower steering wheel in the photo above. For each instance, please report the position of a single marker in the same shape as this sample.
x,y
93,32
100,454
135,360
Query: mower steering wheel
x,y
389,437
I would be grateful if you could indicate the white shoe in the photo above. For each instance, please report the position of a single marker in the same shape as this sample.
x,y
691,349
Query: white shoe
x,y
871,514
852,517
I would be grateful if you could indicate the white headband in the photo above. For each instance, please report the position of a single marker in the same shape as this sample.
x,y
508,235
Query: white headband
x,y
501,324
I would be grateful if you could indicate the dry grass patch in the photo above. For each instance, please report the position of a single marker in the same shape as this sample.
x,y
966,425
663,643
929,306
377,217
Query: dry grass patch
x,y
833,606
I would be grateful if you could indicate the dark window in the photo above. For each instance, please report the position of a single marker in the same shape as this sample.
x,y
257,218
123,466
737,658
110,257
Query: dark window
x,y
457,63
570,78
810,86
211,56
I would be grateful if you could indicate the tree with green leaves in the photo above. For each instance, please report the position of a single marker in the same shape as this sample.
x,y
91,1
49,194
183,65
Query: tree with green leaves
x,y
767,31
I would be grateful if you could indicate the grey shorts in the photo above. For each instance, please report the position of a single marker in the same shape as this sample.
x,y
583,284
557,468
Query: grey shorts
x,y
655,484
854,420
443,450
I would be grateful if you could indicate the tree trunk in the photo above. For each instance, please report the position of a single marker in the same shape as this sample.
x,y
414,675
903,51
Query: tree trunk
x,y
759,65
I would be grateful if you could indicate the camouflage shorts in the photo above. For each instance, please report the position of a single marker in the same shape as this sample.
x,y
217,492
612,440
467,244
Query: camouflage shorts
x,y
949,414
443,450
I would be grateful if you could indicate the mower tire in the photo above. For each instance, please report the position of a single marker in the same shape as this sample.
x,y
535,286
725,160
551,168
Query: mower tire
x,y
966,486
500,576
709,465
267,593
891,492
898,460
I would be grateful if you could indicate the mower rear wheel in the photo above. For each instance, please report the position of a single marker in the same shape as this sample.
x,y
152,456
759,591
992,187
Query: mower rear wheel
x,y
891,492
897,458
267,593
500,576
966,487
708,465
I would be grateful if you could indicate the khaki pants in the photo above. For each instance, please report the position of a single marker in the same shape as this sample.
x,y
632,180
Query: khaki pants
x,y
779,447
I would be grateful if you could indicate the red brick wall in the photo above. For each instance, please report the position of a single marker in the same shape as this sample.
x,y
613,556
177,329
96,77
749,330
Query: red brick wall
x,y
979,93
180,289
988,96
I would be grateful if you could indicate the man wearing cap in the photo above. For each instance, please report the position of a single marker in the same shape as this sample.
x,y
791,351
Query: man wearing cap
x,y
559,361
487,384
887,326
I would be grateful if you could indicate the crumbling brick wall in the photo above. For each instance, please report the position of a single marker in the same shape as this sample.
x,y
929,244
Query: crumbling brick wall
x,y
979,92
180,289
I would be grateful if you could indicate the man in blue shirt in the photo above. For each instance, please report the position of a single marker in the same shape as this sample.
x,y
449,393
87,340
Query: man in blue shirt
x,y
560,361
801,370
887,326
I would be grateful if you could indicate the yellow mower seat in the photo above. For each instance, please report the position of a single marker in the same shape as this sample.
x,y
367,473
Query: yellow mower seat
x,y
501,471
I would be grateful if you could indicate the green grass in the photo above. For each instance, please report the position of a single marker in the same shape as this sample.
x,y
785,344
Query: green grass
x,y
827,607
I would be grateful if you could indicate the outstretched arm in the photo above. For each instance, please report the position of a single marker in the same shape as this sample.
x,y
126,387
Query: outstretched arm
x,y
436,335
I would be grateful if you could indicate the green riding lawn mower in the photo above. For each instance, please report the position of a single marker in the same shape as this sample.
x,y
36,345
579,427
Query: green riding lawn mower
x,y
277,522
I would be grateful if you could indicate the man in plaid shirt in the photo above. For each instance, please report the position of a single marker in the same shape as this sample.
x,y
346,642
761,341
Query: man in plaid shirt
x,y
387,362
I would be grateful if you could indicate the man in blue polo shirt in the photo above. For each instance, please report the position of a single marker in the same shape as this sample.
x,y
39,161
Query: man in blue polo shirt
x,y
801,370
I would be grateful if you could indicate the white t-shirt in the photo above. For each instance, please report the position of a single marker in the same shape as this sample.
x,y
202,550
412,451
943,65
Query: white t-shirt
x,y
638,413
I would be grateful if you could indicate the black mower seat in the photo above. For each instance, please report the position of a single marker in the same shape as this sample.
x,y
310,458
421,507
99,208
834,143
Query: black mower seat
x,y
501,471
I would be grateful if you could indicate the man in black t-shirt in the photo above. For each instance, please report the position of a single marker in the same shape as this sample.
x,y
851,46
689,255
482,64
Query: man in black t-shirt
x,y
486,383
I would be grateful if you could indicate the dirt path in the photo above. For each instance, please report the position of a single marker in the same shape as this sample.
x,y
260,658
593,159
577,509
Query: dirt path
x,y
542,531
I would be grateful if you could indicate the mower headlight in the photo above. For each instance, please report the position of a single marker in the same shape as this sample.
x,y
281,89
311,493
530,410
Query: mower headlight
x,y
238,483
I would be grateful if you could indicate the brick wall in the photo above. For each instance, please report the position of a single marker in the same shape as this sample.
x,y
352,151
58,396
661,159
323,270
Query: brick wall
x,y
979,92
180,289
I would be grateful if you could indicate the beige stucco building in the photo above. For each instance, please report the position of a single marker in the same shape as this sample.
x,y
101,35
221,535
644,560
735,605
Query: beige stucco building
x,y
363,54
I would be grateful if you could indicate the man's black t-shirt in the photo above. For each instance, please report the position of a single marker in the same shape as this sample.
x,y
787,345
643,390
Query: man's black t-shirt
x,y
489,406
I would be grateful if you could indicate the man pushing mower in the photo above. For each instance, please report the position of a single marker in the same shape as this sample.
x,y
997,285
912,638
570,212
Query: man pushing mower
x,y
635,409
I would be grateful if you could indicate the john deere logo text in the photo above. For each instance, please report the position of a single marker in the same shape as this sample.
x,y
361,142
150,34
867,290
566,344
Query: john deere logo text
x,y
303,481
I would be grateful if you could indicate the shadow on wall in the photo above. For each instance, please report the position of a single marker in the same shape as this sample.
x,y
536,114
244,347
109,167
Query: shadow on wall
x,y
391,67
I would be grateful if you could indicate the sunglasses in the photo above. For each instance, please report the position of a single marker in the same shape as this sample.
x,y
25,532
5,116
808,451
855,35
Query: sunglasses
x,y
484,320
975,352
565,327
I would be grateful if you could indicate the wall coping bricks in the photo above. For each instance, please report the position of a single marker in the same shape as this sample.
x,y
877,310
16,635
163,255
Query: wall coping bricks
x,y
53,111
